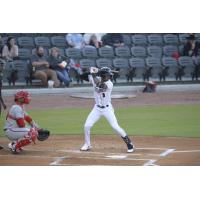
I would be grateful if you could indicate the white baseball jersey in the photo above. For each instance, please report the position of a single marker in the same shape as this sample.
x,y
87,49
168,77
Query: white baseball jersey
x,y
14,113
102,98
103,107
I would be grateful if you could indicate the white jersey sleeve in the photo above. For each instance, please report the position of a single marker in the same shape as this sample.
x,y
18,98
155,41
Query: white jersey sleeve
x,y
16,112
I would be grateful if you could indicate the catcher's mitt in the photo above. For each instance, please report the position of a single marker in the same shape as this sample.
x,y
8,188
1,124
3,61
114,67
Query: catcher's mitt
x,y
43,134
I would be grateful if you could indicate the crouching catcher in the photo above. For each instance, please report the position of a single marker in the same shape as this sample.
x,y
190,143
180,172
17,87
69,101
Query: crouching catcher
x,y
15,127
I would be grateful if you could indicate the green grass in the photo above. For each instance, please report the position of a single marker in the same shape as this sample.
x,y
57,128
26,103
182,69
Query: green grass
x,y
173,120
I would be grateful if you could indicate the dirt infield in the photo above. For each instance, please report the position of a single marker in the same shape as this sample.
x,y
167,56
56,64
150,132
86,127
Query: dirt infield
x,y
65,101
107,150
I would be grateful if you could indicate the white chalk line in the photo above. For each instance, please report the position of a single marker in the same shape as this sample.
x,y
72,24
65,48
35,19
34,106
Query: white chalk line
x,y
61,159
187,151
167,152
163,154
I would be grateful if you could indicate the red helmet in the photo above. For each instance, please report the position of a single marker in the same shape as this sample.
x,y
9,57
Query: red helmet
x,y
22,97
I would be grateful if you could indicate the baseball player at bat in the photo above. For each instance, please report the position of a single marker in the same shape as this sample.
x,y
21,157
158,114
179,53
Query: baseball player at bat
x,y
15,127
102,94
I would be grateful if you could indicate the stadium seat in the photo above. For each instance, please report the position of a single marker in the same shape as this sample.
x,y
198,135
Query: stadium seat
x,y
26,42
182,37
42,41
197,35
168,50
24,54
154,64
87,63
122,52
139,65
89,52
127,39
104,62
155,39
170,39
138,51
180,49
73,53
171,64
59,41
120,63
188,64
106,52
23,71
139,39
154,51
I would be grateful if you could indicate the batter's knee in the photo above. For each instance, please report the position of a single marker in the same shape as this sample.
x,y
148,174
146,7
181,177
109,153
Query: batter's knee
x,y
87,126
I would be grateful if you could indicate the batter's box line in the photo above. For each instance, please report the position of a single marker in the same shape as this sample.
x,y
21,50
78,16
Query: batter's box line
x,y
58,160
163,154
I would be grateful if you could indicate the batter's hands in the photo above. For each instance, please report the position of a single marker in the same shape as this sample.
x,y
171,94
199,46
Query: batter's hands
x,y
94,70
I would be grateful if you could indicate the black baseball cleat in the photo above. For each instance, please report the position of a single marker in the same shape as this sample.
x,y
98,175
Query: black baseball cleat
x,y
130,148
129,144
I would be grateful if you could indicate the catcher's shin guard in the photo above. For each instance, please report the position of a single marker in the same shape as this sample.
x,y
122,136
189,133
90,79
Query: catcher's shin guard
x,y
21,143
33,134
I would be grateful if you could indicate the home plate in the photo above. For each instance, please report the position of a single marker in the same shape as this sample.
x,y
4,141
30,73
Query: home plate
x,y
117,157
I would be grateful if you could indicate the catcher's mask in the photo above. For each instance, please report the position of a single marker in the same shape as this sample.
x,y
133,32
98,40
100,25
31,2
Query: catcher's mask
x,y
105,71
22,97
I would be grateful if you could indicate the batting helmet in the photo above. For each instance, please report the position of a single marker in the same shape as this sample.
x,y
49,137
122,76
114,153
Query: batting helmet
x,y
105,71
22,97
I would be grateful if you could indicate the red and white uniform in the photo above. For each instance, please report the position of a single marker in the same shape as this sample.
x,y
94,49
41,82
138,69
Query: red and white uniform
x,y
15,128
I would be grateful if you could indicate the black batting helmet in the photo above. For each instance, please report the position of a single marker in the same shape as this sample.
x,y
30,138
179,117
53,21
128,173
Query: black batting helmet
x,y
105,71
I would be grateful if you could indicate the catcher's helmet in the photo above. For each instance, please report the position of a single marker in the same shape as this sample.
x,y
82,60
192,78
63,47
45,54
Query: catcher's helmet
x,y
22,97
105,71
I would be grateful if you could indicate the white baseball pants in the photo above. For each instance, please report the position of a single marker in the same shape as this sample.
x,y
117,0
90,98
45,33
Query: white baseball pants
x,y
94,116
15,134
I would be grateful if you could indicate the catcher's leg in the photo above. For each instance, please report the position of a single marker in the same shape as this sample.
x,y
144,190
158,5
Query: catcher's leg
x,y
110,116
92,118
20,137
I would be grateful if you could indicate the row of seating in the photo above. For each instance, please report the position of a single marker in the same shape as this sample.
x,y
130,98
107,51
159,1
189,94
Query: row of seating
x,y
108,52
29,41
140,64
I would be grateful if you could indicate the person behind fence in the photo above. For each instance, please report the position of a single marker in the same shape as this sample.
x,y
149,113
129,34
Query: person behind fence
x,y
41,70
150,87
10,52
59,64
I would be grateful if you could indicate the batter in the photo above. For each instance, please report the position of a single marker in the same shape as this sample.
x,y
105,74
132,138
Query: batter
x,y
102,94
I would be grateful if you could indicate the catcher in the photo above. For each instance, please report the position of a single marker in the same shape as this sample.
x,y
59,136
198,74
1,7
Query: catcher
x,y
15,128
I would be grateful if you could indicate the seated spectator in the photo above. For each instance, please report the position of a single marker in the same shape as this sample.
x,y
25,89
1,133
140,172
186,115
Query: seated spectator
x,y
94,42
10,50
75,40
10,53
191,47
40,68
93,38
113,39
59,64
